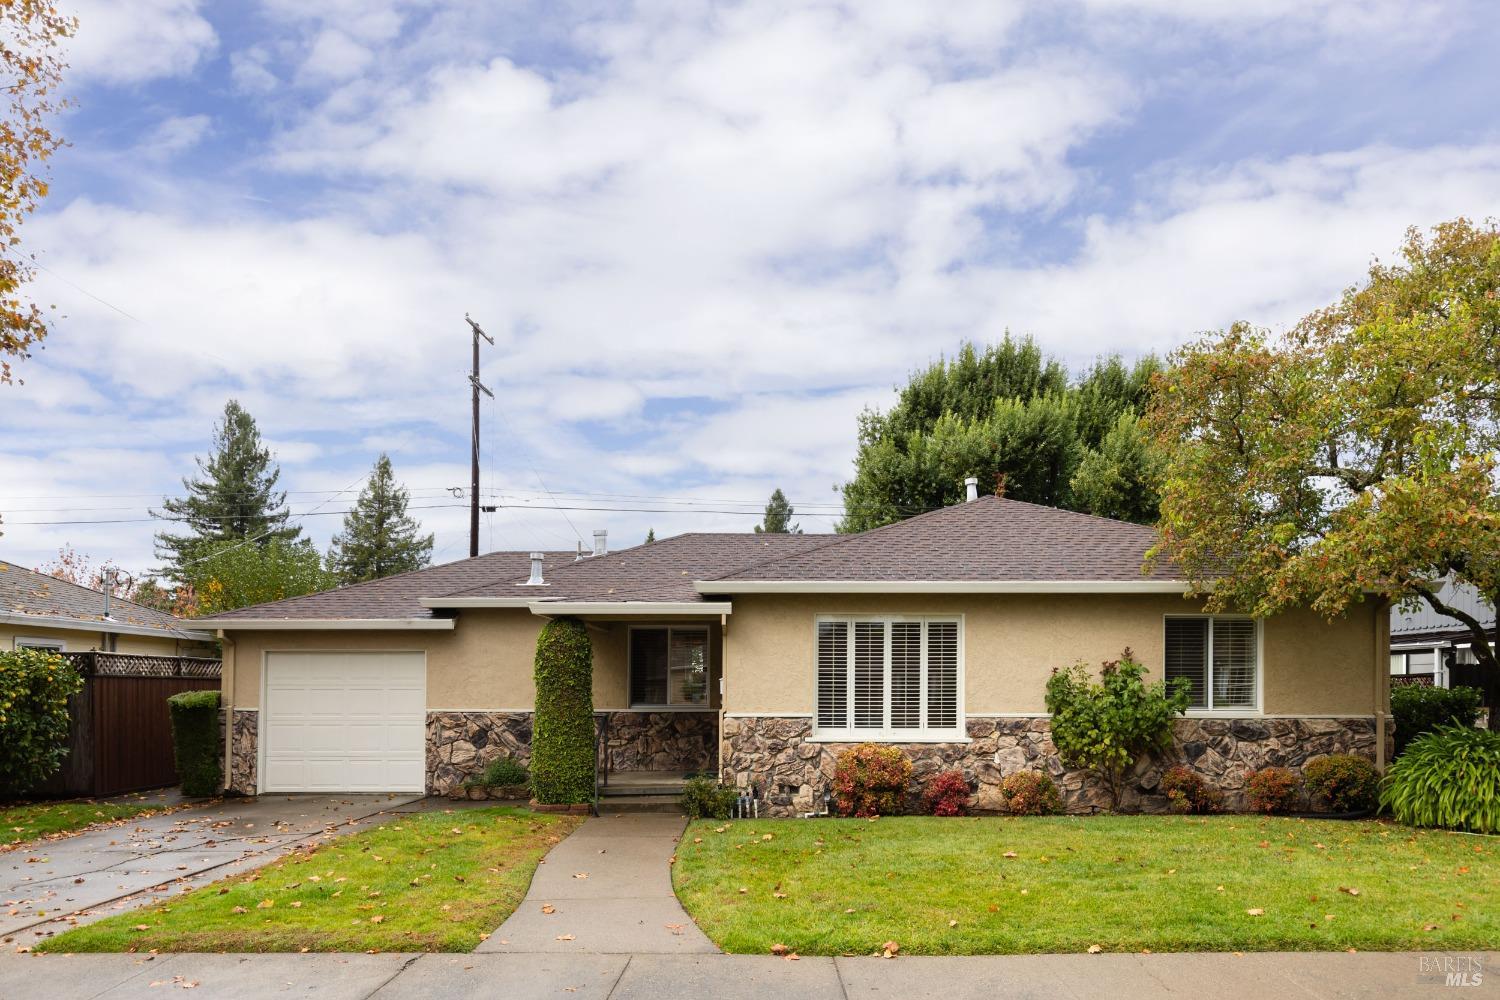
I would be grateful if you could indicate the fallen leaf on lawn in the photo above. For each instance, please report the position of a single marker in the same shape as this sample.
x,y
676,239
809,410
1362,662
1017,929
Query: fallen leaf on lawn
x,y
1256,911
743,890
1349,889
141,927
296,904
376,919
1218,888
779,895
265,904
1429,927
767,837
548,908
1094,949
222,891
1009,854
849,910
459,878
697,840
303,950
780,949
890,948
953,923
239,909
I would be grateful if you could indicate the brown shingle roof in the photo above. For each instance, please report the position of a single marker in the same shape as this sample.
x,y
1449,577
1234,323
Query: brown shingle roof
x,y
27,592
989,539
399,596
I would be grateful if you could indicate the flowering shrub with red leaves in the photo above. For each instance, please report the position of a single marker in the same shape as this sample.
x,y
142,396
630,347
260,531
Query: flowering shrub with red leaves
x,y
871,780
1188,792
947,794
1273,790
1031,793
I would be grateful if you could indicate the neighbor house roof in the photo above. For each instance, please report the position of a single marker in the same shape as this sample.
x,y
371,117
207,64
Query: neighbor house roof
x,y
988,543
399,596
31,598
1422,624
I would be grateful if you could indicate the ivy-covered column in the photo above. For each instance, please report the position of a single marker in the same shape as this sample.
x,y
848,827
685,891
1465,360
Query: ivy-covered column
x,y
562,747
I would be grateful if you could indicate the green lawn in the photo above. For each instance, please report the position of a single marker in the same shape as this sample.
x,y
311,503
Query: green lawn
x,y
27,822
1123,883
426,882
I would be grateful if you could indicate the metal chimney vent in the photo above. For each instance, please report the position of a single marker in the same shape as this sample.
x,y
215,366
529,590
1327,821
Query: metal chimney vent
x,y
536,571
971,489
601,542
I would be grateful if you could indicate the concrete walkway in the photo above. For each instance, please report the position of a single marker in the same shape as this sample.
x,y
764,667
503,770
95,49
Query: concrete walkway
x,y
606,890
61,883
1296,976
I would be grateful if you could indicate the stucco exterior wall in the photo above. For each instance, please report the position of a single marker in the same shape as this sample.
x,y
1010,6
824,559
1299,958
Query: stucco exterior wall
x,y
1012,643
81,641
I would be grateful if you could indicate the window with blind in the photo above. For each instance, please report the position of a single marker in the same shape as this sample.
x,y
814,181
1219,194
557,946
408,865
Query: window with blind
x,y
892,678
1219,657
668,667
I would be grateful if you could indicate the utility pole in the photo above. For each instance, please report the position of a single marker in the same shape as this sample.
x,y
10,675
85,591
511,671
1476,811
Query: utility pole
x,y
476,387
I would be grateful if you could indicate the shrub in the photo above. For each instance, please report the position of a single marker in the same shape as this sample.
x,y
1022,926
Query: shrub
x,y
1188,792
705,798
1273,790
1031,793
946,794
871,780
1449,778
195,742
502,772
562,740
35,685
1418,709
1347,781
1106,727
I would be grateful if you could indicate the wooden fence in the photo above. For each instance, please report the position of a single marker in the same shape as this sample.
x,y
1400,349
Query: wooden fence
x,y
120,739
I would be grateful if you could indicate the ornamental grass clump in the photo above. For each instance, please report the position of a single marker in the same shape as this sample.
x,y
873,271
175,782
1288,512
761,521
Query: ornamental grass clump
x,y
871,780
1106,727
35,685
1448,778
1346,782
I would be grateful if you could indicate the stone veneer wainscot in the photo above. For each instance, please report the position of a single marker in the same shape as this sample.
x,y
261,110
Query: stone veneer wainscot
x,y
792,773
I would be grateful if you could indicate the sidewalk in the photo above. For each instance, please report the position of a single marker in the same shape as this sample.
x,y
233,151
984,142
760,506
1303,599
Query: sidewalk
x,y
1278,976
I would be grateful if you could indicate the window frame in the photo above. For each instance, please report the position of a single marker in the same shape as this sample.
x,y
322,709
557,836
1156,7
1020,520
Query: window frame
x,y
886,733
39,642
706,705
1208,676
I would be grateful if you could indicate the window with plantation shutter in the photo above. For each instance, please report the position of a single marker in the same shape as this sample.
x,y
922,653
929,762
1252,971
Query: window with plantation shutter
x,y
884,677
1219,656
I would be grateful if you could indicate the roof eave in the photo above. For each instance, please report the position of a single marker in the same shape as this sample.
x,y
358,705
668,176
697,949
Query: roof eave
x,y
103,625
329,624
631,608
476,602
943,587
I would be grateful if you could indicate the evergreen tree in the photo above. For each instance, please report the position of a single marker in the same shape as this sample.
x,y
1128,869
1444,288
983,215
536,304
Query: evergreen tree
x,y
233,498
379,538
650,536
778,519
1120,478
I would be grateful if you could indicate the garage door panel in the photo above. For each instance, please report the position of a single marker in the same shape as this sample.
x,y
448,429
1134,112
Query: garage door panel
x,y
345,722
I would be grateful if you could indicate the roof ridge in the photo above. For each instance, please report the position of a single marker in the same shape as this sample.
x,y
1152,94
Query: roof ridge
x,y
1076,513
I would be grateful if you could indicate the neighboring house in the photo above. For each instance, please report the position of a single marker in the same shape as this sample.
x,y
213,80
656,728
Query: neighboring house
x,y
37,610
761,656
1429,648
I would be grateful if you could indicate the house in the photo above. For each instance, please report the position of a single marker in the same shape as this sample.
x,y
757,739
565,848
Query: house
x,y
1433,649
41,611
761,656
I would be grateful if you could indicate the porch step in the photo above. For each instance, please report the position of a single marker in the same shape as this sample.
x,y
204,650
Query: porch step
x,y
639,804
615,790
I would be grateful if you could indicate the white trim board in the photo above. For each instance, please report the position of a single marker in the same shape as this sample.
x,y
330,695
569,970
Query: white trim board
x,y
330,624
942,587
565,607
104,625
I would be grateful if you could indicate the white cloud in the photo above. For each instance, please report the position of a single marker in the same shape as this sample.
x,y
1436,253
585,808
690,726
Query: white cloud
x,y
175,135
142,40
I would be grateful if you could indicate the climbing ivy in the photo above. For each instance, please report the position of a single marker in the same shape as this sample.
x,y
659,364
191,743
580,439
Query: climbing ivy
x,y
562,740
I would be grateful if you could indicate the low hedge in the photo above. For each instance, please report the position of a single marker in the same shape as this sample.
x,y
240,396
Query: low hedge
x,y
1419,709
195,742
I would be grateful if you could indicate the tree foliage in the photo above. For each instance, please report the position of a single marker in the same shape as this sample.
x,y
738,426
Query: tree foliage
x,y
778,519
233,575
30,34
35,685
1012,418
562,742
1354,456
232,499
379,538
79,568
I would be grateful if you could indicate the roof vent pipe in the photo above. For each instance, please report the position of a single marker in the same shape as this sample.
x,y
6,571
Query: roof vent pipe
x,y
971,489
601,542
535,580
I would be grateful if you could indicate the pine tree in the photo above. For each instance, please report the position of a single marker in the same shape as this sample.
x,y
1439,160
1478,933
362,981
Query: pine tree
x,y
650,536
233,499
379,538
778,517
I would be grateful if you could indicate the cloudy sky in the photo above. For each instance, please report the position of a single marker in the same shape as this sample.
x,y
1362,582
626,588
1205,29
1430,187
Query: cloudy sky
x,y
704,235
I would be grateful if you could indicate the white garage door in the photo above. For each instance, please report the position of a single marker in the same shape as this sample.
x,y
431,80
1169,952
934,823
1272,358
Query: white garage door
x,y
345,722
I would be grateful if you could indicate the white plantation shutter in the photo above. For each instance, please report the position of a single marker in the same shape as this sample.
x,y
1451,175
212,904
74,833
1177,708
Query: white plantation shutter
x,y
942,675
869,675
1234,663
906,675
833,675
1187,655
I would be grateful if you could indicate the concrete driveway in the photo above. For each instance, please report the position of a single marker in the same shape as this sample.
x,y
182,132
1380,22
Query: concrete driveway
x,y
95,874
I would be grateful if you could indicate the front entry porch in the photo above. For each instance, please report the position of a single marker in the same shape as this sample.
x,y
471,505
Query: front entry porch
x,y
643,760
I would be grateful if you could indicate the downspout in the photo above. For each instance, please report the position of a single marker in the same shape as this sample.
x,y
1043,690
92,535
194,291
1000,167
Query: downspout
x,y
226,685
1382,644
723,673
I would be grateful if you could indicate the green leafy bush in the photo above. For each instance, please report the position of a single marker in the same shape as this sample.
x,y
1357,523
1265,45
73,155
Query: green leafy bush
x,y
1273,790
705,798
1346,781
1419,709
195,741
1106,727
502,772
946,794
1031,793
1187,791
1448,778
35,685
871,780
562,739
